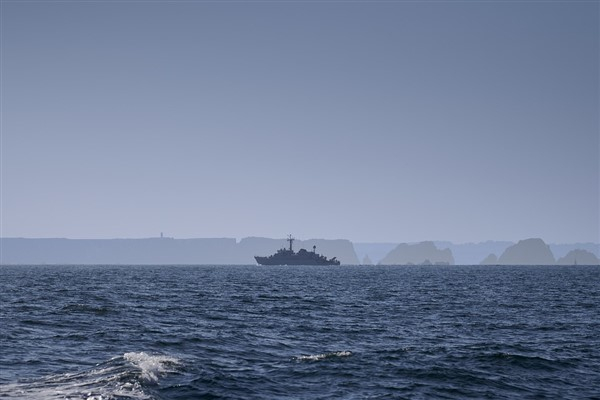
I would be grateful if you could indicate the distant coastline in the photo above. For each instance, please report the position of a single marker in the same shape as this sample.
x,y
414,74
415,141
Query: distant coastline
x,y
164,250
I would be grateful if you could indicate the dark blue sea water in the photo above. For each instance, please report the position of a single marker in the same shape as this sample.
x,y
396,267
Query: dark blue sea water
x,y
249,332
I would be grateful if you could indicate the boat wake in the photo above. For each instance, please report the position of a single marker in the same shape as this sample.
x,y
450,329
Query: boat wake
x,y
130,376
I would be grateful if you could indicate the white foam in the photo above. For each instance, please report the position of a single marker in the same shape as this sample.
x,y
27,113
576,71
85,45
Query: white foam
x,y
151,366
73,386
317,357
106,381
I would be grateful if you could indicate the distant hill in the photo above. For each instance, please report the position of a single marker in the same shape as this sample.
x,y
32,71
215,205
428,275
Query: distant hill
x,y
527,252
561,250
473,253
419,253
580,257
541,256
230,251
117,251
375,251
492,259
159,250
463,253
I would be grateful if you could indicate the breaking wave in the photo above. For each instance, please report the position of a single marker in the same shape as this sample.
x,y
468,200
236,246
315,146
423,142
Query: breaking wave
x,y
130,376
324,356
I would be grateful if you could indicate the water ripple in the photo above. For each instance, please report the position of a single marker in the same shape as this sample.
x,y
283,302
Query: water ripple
x,y
240,332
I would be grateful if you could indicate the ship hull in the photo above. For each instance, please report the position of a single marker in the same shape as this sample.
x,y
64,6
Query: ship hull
x,y
293,261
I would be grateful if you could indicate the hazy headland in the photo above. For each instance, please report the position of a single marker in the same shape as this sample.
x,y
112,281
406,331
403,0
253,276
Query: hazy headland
x,y
167,250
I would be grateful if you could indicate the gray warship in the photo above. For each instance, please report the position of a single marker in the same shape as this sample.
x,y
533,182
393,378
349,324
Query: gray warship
x,y
290,257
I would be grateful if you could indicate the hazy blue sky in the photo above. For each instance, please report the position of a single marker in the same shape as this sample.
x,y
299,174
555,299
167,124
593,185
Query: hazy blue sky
x,y
372,121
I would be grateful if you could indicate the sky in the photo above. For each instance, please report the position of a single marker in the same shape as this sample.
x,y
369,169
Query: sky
x,y
378,121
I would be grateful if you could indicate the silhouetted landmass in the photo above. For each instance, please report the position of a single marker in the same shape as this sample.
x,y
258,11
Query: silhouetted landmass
x,y
561,250
117,251
158,250
228,251
470,253
492,259
376,251
473,253
527,252
579,257
419,253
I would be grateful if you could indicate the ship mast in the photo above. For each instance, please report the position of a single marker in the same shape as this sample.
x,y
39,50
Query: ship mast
x,y
291,240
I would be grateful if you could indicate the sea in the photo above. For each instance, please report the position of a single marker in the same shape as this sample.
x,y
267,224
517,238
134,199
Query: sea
x,y
299,332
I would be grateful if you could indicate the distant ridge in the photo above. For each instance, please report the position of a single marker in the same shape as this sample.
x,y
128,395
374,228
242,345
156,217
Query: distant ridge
x,y
492,259
579,257
528,252
419,253
160,250
481,253
168,250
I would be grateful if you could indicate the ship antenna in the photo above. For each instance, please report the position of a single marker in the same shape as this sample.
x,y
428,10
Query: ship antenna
x,y
291,240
